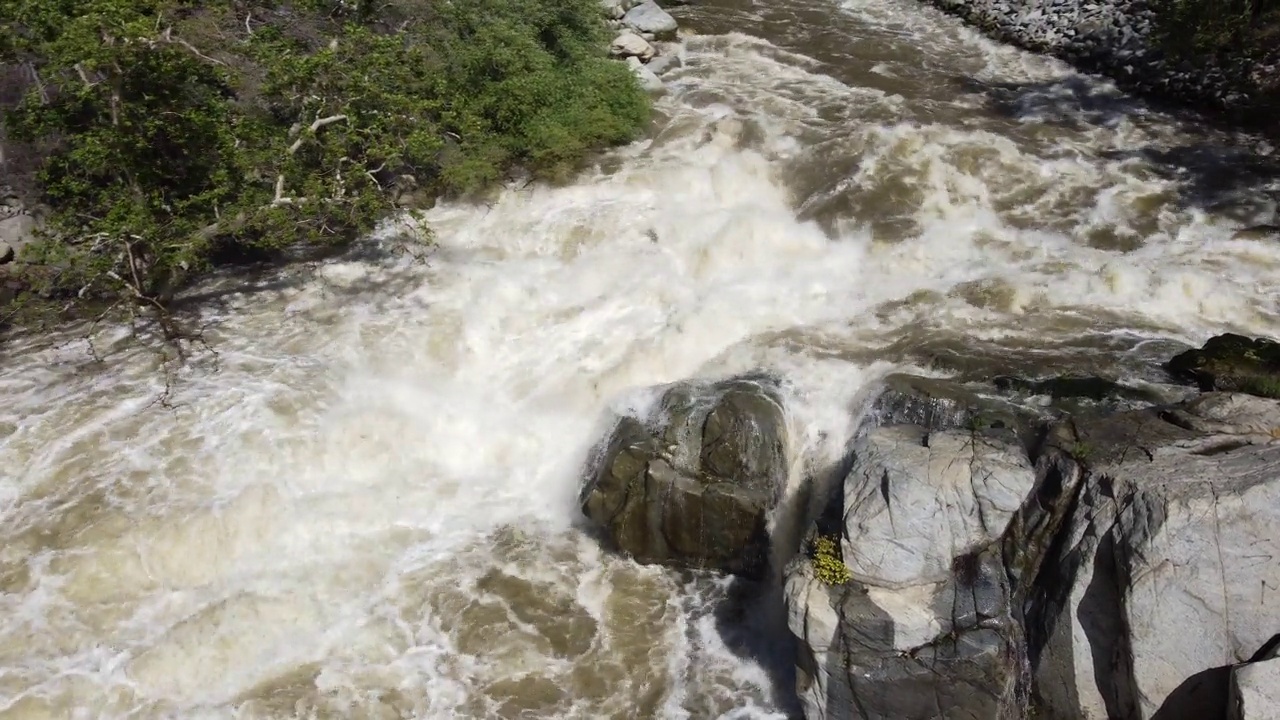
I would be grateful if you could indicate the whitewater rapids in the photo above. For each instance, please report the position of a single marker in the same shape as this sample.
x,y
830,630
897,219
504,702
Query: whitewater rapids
x,y
363,507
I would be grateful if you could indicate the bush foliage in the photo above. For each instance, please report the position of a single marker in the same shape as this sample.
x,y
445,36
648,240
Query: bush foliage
x,y
828,565
1220,28
183,133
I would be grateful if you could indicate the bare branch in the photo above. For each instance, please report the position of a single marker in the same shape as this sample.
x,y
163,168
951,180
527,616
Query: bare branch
x,y
316,126
167,36
84,76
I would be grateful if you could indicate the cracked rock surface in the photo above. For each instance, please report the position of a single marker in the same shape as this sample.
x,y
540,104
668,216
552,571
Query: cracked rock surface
x,y
1166,573
1125,573
926,627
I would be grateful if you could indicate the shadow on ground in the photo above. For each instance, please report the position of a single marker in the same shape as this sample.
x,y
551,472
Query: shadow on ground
x,y
1231,172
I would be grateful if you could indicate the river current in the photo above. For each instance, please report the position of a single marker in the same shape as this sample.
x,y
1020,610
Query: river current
x,y
363,506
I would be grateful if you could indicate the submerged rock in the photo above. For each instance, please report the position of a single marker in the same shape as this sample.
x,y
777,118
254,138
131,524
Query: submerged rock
x,y
1161,578
664,63
694,486
1232,363
1080,393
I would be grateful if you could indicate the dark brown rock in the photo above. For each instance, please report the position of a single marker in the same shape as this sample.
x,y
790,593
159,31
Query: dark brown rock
x,y
694,486
1232,363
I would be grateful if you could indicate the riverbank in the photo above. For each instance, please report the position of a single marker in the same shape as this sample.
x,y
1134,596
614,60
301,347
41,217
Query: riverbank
x,y
1123,39
146,146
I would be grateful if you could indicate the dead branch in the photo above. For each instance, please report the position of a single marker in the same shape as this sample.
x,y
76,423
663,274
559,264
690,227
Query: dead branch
x,y
316,126
167,37
84,76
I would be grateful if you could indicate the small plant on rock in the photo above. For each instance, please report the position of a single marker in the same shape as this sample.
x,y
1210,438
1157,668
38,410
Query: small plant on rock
x,y
828,565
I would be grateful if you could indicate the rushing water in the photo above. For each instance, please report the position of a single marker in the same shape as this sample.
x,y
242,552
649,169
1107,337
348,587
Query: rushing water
x,y
365,507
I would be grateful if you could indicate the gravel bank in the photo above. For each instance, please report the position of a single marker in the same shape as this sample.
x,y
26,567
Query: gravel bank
x,y
1116,38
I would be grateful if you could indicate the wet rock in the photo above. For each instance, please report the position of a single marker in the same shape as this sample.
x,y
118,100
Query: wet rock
x,y
925,628
1074,394
940,404
664,64
1232,363
1155,586
1258,232
650,82
694,486
1255,690
647,17
628,44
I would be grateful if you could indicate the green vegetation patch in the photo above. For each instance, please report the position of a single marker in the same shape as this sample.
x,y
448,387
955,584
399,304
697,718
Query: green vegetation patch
x,y
828,565
183,135
1219,28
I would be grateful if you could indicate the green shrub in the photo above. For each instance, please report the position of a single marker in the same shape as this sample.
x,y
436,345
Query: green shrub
x,y
188,133
828,565
1218,28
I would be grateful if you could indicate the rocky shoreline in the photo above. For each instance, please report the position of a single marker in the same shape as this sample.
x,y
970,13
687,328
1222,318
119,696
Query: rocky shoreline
x,y
646,41
1117,38
984,557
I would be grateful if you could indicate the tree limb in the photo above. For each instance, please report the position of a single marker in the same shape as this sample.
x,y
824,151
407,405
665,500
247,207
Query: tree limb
x,y
315,126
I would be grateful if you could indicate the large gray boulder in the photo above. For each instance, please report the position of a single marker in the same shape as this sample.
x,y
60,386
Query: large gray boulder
x,y
647,17
924,626
1165,574
695,485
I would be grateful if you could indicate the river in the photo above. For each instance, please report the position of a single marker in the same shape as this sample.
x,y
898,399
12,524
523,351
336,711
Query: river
x,y
364,505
